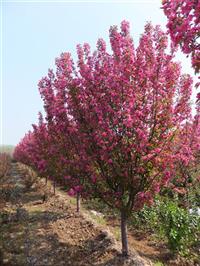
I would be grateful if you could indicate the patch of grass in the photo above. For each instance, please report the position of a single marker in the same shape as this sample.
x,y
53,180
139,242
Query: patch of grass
x,y
36,212
98,205
72,201
35,209
116,233
99,219
158,263
34,225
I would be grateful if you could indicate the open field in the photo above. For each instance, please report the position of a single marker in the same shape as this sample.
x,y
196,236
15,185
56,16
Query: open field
x,y
7,149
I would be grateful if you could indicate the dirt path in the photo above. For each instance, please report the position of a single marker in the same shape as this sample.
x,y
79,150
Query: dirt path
x,y
51,233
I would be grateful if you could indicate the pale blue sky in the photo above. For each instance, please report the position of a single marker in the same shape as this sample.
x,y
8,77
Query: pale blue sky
x,y
35,33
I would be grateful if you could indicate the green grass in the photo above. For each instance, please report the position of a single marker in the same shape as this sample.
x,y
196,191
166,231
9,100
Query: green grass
x,y
73,201
99,219
117,234
158,263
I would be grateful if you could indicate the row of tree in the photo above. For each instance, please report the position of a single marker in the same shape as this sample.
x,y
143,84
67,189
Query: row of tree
x,y
118,126
5,164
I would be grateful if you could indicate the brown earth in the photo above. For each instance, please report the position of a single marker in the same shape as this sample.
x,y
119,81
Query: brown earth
x,y
51,233
33,232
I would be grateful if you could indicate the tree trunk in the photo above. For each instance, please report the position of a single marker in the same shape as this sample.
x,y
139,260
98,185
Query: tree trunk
x,y
46,180
124,234
78,202
54,186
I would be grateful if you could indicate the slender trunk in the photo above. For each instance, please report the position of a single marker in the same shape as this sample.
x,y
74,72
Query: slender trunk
x,y
78,202
46,180
124,234
54,186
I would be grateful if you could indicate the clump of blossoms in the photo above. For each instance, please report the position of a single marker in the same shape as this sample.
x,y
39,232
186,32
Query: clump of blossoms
x,y
33,148
184,27
188,159
64,144
114,119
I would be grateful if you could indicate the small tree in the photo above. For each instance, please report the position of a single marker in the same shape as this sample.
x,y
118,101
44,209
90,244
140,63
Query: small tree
x,y
188,160
114,120
126,109
63,145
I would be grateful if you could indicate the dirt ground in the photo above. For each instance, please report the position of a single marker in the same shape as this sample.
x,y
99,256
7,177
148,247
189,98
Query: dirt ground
x,y
51,233
33,232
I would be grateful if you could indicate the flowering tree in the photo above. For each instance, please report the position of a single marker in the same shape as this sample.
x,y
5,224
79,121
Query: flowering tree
x,y
126,108
63,144
21,152
41,150
187,161
184,27
114,119
32,149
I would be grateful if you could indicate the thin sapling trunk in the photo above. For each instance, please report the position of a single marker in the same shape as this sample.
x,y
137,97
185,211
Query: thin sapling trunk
x,y
54,186
78,202
124,238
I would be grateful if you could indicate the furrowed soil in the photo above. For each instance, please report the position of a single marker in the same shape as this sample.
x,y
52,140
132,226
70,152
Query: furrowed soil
x,y
51,232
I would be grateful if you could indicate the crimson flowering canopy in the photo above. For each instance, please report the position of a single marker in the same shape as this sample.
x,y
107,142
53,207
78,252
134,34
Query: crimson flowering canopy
x,y
33,147
117,123
120,112
187,161
113,121
184,26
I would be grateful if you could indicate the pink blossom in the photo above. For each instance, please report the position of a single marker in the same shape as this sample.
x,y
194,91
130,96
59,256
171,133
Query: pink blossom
x,y
71,192
67,177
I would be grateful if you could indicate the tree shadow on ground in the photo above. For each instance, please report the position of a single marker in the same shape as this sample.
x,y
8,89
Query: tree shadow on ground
x,y
32,197
20,236
96,251
154,251
49,250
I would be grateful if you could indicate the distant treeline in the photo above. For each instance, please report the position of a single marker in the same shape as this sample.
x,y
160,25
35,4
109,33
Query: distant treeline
x,y
7,149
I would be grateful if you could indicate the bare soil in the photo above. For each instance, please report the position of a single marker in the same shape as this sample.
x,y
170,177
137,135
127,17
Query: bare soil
x,y
33,232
